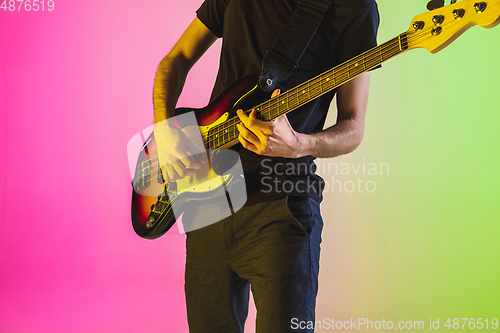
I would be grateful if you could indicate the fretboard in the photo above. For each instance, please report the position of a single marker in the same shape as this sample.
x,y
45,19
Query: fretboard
x,y
294,98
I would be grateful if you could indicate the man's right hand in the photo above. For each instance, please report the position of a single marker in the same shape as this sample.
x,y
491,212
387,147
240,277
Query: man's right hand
x,y
177,154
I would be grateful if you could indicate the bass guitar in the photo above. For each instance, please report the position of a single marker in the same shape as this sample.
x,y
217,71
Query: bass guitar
x,y
152,198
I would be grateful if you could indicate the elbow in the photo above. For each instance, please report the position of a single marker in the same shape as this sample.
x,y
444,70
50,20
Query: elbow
x,y
356,135
174,61
357,138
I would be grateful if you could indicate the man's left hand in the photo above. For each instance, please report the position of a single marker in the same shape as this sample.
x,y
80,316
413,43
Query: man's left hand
x,y
271,138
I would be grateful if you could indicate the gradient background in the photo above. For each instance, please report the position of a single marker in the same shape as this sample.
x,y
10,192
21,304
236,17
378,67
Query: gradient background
x,y
75,86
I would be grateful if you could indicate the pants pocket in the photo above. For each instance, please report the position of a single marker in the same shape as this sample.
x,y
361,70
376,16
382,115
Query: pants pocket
x,y
299,209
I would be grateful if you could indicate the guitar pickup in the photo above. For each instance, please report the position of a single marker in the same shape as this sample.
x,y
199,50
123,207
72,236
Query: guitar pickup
x,y
159,177
142,183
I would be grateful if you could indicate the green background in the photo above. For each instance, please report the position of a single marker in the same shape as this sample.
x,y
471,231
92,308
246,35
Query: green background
x,y
425,243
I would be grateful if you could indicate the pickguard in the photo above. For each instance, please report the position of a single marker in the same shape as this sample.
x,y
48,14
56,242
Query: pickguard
x,y
205,179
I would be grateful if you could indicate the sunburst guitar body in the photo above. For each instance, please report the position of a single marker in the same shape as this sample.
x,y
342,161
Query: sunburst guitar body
x,y
152,198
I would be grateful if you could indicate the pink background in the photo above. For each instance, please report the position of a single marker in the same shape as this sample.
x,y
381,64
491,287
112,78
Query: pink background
x,y
75,86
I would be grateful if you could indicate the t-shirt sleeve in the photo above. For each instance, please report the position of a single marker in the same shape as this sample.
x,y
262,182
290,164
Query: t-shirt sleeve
x,y
359,35
211,14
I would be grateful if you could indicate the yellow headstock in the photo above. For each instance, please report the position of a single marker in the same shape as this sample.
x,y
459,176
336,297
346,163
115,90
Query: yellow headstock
x,y
436,29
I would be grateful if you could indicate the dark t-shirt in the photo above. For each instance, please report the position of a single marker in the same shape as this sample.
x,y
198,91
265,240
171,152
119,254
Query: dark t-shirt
x,y
248,29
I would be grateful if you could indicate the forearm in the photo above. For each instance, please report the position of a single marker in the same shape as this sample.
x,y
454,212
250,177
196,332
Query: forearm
x,y
169,81
173,69
347,133
342,138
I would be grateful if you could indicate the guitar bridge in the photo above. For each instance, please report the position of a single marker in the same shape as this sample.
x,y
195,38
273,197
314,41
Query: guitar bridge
x,y
161,205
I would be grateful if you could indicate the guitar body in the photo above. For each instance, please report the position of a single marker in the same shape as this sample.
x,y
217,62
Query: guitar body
x,y
152,199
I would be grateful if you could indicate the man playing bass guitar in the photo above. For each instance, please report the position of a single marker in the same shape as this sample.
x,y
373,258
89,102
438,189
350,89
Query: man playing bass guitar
x,y
273,243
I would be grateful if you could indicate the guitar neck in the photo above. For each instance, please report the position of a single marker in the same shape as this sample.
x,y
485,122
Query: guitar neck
x,y
227,132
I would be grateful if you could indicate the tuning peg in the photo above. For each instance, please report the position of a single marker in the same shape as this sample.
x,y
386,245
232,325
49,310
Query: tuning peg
x,y
435,4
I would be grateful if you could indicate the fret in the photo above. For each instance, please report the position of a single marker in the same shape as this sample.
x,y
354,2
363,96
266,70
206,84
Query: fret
x,y
297,94
234,132
222,132
281,105
265,109
296,97
341,76
288,99
318,89
373,59
335,76
356,67
404,41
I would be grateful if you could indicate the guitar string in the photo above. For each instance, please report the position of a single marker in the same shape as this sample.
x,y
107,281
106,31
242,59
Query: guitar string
x,y
392,52
292,98
411,36
389,48
339,73
394,49
273,105
409,39
316,89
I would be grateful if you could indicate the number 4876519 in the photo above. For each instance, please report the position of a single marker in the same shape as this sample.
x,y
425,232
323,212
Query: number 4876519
x,y
27,5
472,323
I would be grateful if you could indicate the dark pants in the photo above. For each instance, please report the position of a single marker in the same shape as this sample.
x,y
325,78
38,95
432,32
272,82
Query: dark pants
x,y
263,246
